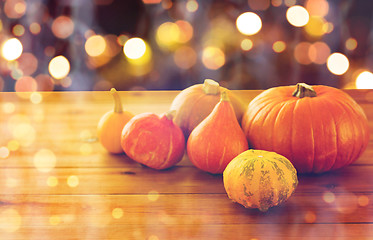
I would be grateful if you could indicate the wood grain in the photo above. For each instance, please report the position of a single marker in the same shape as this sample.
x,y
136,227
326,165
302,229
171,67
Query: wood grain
x,y
88,193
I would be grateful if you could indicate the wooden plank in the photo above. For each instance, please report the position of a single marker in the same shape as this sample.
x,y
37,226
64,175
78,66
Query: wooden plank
x,y
181,209
180,179
225,232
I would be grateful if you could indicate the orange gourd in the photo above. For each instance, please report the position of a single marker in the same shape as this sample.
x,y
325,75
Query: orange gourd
x,y
318,128
195,103
153,140
110,125
217,139
260,179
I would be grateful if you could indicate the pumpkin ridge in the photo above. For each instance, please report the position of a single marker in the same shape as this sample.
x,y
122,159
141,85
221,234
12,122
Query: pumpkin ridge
x,y
274,122
360,115
249,121
310,102
351,155
169,151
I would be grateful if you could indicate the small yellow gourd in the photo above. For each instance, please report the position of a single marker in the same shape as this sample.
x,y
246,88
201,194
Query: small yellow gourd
x,y
259,179
111,124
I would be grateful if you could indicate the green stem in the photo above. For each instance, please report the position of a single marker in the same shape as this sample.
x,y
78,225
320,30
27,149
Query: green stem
x,y
224,96
304,90
117,102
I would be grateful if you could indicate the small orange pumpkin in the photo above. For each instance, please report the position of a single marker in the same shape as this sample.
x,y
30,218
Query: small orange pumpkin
x,y
318,128
153,140
217,139
110,126
195,103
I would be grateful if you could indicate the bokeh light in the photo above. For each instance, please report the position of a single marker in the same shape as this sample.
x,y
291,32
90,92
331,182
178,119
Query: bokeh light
x,y
192,5
259,5
338,63
27,63
59,67
319,52
167,36
185,57
26,84
11,49
45,160
4,152
14,8
95,45
153,195
213,57
117,213
62,27
297,16
18,30
317,7
35,28
249,23
134,48
52,181
315,26
279,46
351,44
10,220
72,181
246,44
301,53
364,80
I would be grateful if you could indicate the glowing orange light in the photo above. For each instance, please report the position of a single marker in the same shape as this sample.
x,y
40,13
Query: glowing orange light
x,y
276,3
301,53
28,63
185,57
315,26
35,28
26,84
317,7
213,58
319,52
186,31
279,46
259,5
246,44
14,8
95,45
62,27
151,1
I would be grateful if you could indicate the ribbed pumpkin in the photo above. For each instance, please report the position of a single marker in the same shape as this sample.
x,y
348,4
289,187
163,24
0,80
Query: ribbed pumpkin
x,y
195,103
110,126
260,179
217,139
318,128
153,140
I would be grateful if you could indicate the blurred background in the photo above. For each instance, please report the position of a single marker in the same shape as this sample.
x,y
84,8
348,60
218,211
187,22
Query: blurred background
x,y
82,45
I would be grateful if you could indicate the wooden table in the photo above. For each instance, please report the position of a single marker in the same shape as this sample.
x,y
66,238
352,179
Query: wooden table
x,y
57,182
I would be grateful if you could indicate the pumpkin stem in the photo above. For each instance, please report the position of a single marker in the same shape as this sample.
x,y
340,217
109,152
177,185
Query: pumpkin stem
x,y
170,114
211,87
224,96
117,103
304,90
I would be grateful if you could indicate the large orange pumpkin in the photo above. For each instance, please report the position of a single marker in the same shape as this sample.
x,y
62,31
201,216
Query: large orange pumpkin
x,y
318,128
